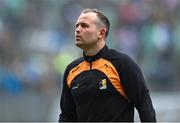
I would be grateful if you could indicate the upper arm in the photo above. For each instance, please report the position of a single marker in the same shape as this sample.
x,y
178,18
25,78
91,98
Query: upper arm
x,y
67,105
136,89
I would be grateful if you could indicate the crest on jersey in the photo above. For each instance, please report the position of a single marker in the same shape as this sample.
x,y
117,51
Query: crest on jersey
x,y
103,84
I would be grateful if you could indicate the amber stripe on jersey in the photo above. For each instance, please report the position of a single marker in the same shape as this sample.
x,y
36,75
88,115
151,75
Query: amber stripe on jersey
x,y
77,70
102,65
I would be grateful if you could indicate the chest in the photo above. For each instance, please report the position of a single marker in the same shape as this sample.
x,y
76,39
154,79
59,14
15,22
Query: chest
x,y
91,85
95,81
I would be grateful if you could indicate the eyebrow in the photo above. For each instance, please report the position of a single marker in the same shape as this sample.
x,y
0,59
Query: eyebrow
x,y
81,23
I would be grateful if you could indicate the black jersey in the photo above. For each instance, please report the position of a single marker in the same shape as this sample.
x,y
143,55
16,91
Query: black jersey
x,y
105,87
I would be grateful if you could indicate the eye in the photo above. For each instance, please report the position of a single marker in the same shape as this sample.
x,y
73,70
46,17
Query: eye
x,y
83,25
76,25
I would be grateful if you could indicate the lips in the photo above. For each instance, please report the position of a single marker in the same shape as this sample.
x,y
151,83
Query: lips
x,y
78,37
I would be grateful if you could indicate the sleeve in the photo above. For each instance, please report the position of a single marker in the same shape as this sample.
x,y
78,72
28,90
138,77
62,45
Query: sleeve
x,y
67,105
137,91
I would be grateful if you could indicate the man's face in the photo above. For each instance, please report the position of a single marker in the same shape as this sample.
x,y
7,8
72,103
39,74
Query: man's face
x,y
86,31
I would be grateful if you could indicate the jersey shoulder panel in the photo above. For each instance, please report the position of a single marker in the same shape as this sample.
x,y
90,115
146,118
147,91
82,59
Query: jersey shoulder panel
x,y
120,58
74,63
118,55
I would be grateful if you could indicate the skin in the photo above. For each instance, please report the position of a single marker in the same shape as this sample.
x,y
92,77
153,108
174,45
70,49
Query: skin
x,y
89,33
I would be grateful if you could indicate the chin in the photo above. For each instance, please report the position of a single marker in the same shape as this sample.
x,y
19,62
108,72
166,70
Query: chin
x,y
79,45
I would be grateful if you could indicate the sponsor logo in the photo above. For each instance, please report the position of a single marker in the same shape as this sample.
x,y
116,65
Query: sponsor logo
x,y
75,87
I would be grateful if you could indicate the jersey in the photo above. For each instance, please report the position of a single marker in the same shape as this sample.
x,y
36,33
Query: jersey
x,y
105,87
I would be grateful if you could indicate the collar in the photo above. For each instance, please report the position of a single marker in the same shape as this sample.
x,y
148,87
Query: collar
x,y
100,54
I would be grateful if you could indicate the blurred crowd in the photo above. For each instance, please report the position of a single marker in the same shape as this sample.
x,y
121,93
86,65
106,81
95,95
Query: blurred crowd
x,y
37,40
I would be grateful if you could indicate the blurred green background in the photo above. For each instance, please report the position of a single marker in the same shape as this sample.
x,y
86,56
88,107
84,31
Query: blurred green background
x,y
37,42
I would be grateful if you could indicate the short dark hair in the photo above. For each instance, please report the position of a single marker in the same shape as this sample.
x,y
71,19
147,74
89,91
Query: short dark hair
x,y
101,17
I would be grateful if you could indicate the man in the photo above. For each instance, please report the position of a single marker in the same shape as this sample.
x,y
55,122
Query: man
x,y
103,85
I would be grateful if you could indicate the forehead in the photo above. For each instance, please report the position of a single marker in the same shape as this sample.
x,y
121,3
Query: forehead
x,y
89,17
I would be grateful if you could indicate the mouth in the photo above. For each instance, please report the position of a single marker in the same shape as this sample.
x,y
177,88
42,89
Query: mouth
x,y
78,37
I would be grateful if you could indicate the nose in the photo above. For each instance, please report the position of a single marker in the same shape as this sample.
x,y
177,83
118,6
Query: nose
x,y
78,29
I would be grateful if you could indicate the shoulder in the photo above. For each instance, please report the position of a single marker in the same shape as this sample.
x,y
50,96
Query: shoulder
x,y
74,64
120,56
124,63
121,60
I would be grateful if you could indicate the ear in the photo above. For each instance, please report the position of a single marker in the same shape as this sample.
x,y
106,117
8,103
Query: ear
x,y
102,32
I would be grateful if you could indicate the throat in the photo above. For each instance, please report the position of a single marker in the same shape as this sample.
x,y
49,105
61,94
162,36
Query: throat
x,y
90,53
93,51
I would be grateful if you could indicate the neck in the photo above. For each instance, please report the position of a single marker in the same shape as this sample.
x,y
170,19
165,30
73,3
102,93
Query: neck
x,y
94,50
